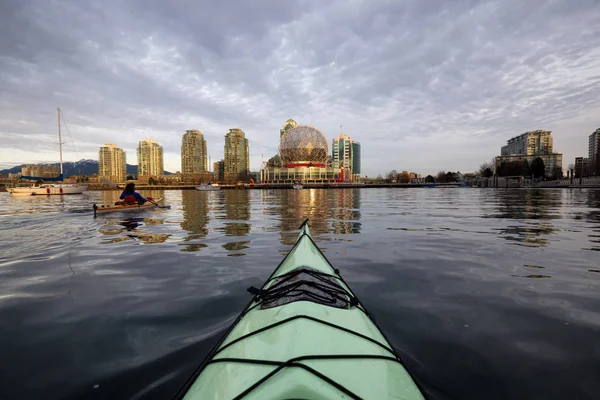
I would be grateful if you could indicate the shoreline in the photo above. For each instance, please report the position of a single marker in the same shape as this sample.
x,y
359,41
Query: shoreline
x,y
348,186
100,188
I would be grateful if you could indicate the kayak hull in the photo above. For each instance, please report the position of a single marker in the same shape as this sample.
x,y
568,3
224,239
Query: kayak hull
x,y
105,209
301,346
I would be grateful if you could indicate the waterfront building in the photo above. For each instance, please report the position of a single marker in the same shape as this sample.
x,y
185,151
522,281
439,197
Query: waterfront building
x,y
303,156
345,153
112,163
594,153
529,146
219,170
193,158
193,153
237,155
150,158
552,162
41,170
529,143
582,167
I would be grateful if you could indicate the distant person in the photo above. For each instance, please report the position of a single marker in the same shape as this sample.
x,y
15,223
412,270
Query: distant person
x,y
130,196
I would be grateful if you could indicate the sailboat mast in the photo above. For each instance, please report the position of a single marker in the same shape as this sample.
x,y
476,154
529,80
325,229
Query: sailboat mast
x,y
60,142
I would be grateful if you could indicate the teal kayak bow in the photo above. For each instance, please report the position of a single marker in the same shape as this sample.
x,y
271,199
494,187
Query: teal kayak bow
x,y
304,335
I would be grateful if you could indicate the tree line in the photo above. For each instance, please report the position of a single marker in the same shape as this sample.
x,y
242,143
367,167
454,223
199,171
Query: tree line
x,y
403,177
537,169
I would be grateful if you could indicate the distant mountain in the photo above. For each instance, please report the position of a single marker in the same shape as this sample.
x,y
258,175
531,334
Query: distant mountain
x,y
81,167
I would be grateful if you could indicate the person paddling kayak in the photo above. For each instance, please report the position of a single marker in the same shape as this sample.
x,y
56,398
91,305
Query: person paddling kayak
x,y
130,196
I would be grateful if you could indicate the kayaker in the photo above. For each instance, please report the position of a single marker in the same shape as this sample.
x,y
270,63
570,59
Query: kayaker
x,y
130,196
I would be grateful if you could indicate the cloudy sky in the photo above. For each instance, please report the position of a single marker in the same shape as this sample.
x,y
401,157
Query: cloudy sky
x,y
424,85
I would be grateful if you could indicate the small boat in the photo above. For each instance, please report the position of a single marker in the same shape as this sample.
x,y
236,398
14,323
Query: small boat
x,y
304,335
101,209
207,187
43,188
40,189
297,185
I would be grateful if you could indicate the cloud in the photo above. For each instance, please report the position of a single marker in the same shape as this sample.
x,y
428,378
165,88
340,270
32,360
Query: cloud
x,y
423,86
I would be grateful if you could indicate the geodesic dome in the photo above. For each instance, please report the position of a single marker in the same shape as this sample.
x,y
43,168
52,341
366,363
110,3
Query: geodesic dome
x,y
303,146
289,124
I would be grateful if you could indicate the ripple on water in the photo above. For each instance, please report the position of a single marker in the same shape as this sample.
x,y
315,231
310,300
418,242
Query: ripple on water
x,y
503,283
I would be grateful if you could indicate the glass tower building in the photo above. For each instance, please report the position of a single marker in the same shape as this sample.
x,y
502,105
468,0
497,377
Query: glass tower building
x,y
345,154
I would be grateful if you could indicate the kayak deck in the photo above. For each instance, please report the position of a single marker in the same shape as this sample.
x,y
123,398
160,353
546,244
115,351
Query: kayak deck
x,y
303,335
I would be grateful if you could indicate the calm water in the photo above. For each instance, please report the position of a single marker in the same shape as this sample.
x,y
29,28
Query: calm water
x,y
486,294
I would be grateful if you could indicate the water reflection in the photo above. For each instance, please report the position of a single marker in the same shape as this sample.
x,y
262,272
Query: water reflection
x,y
537,207
236,246
237,208
455,287
529,234
593,215
532,276
127,230
297,205
528,204
194,246
346,211
328,210
195,213
195,209
20,205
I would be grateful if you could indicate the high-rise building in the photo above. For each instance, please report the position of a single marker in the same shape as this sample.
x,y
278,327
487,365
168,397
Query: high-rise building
x,y
193,153
237,157
219,171
346,154
582,167
112,162
594,153
150,158
529,146
356,158
529,143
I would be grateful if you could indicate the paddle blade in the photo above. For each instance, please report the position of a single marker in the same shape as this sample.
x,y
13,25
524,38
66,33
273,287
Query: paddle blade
x,y
108,182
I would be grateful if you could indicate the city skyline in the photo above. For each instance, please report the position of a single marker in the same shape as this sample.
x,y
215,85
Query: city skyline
x,y
422,87
509,142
